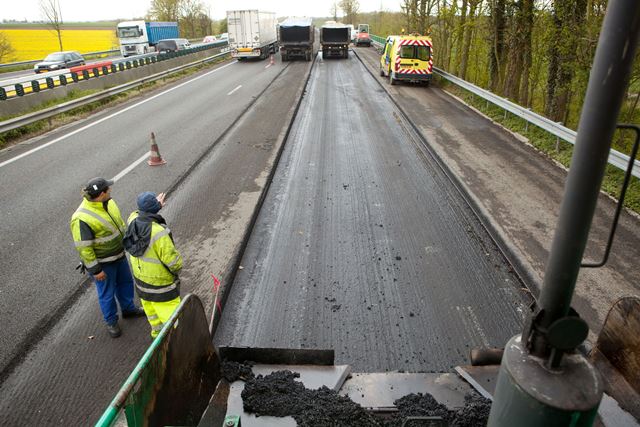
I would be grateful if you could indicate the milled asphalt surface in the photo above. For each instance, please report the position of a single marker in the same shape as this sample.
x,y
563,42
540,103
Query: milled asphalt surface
x,y
519,191
70,377
363,246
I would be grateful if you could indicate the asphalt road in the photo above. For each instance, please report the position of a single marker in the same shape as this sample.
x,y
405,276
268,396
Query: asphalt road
x,y
519,190
364,247
73,373
38,259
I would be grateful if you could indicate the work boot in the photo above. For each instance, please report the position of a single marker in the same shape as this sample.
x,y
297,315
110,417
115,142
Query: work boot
x,y
137,312
114,330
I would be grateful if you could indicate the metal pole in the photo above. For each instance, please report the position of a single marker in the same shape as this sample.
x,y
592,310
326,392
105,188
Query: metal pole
x,y
605,93
542,381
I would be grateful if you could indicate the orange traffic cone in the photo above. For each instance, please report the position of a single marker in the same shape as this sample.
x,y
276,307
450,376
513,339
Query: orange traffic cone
x,y
155,159
272,61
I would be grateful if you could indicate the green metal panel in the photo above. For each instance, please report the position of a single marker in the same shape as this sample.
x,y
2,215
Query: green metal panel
x,y
534,395
231,421
174,380
378,39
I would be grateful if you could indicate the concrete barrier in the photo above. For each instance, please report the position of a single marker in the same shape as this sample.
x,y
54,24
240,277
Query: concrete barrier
x,y
23,104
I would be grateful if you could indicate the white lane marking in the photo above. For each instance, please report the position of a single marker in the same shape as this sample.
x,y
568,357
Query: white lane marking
x,y
268,65
239,86
6,162
130,167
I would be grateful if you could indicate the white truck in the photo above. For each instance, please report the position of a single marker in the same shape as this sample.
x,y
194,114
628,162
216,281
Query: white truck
x,y
252,33
140,37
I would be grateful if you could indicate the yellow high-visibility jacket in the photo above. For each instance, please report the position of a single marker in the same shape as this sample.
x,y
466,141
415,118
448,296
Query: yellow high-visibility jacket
x,y
155,261
97,229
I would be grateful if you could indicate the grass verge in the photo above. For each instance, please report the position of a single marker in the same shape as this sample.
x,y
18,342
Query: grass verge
x,y
557,149
42,126
16,68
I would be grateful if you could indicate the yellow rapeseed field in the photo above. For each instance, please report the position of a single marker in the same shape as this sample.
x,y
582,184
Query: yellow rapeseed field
x,y
32,44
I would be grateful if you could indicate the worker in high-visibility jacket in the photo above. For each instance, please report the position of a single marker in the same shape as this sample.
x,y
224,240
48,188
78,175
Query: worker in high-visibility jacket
x,y
97,229
155,261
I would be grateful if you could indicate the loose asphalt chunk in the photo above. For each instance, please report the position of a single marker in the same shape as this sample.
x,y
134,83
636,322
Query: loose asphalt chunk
x,y
279,394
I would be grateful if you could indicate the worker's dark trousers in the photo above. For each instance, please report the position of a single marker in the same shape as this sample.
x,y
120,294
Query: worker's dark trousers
x,y
118,285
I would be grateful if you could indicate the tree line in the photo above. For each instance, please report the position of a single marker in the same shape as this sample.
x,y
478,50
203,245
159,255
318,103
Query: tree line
x,y
192,16
537,53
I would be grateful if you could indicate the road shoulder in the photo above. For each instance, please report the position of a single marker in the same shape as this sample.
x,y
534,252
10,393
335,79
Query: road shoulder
x,y
520,190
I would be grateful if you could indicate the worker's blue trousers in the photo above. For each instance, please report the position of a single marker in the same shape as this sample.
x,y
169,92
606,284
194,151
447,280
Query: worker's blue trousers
x,y
118,285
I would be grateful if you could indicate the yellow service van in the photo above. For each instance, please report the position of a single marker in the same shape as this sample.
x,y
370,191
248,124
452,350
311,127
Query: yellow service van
x,y
407,58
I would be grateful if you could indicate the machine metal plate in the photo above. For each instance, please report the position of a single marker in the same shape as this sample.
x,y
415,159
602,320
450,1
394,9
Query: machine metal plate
x,y
378,391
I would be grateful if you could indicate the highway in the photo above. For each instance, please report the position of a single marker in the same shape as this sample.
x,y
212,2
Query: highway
x,y
353,247
363,244
38,260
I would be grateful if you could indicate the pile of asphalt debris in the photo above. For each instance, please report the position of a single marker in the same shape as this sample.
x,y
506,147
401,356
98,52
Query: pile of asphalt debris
x,y
279,394
234,371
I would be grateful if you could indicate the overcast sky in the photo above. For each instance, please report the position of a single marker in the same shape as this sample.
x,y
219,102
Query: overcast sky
x,y
84,10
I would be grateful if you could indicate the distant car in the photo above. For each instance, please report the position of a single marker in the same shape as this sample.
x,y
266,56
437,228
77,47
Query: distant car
x,y
209,39
59,60
223,36
172,45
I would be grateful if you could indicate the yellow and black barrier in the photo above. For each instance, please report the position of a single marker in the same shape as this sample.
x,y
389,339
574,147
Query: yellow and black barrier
x,y
34,86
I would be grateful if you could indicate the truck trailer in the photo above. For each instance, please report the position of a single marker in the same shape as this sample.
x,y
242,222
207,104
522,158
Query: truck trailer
x,y
295,38
252,33
140,37
334,39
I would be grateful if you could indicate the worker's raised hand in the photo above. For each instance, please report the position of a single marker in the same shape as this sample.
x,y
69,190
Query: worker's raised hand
x,y
100,276
161,198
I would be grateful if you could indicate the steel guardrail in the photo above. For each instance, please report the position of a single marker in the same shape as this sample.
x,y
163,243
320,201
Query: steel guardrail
x,y
27,119
35,61
616,158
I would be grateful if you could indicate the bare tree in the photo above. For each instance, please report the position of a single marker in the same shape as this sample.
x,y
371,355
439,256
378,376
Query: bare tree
x,y
350,9
498,46
568,18
53,14
190,12
518,37
410,10
417,14
334,11
468,29
222,26
424,14
5,47
165,10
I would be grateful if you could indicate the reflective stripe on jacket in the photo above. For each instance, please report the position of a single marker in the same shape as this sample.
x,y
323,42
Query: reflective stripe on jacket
x,y
156,270
97,229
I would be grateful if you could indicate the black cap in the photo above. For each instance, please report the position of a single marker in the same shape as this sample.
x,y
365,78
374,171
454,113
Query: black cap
x,y
96,186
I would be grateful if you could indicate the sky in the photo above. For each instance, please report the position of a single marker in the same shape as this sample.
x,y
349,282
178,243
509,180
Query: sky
x,y
83,10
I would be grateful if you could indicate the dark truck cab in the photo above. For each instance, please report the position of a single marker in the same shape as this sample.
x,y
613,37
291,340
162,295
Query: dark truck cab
x,y
296,37
335,39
